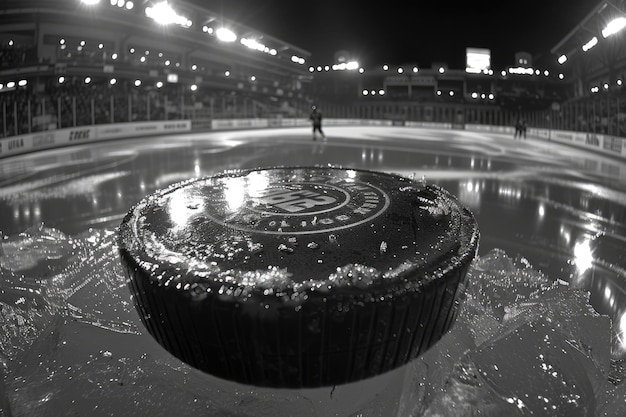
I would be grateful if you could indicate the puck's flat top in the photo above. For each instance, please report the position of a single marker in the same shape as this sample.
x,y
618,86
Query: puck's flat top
x,y
297,228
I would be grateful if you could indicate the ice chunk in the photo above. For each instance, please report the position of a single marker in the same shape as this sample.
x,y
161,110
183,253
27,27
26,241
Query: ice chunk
x,y
523,345
70,340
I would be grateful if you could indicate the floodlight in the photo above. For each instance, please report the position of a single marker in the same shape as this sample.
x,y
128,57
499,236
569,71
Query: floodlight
x,y
614,26
90,2
590,44
225,35
161,13
562,59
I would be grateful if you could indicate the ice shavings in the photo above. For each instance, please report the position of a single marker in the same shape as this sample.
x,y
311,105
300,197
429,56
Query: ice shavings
x,y
47,277
522,345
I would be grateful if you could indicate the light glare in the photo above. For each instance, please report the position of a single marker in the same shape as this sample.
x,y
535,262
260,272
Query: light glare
x,y
614,26
225,35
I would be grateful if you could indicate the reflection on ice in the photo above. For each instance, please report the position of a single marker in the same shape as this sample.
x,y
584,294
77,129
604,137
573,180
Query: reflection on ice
x,y
70,340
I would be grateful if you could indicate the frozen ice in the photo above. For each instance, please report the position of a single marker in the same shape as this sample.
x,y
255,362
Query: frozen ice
x,y
71,344
522,345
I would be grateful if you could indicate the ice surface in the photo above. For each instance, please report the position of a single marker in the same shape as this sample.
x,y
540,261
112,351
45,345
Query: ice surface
x,y
72,344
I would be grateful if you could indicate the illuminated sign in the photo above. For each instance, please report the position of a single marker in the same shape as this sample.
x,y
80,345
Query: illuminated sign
x,y
478,60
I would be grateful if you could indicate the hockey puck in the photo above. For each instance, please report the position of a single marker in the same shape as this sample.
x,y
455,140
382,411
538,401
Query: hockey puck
x,y
298,276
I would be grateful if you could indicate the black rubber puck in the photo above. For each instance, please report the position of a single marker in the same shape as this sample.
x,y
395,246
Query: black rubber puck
x,y
298,276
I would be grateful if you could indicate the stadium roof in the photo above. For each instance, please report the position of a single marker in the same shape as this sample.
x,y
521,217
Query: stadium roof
x,y
595,46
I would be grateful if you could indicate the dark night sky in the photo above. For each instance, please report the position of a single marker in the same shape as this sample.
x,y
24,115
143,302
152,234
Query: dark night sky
x,y
401,32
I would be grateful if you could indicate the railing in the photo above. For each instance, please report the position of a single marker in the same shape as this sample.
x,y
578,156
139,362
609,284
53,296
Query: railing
x,y
22,113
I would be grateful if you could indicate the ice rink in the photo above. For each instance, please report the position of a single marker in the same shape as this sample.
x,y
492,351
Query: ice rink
x,y
553,231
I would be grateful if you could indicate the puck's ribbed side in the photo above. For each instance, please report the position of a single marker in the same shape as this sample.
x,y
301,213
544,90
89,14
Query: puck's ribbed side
x,y
323,343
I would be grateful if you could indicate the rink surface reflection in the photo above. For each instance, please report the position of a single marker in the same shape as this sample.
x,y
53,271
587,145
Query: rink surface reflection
x,y
559,209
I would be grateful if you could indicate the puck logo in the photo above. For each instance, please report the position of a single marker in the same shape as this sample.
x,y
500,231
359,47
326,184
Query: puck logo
x,y
319,205
297,201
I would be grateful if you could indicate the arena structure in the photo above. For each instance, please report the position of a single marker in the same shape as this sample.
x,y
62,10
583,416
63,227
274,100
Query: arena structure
x,y
89,63
77,63
543,328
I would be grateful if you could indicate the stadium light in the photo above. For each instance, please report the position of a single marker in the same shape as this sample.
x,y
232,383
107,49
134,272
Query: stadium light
x,y
163,14
614,26
90,2
122,4
590,44
562,59
299,60
225,35
346,66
